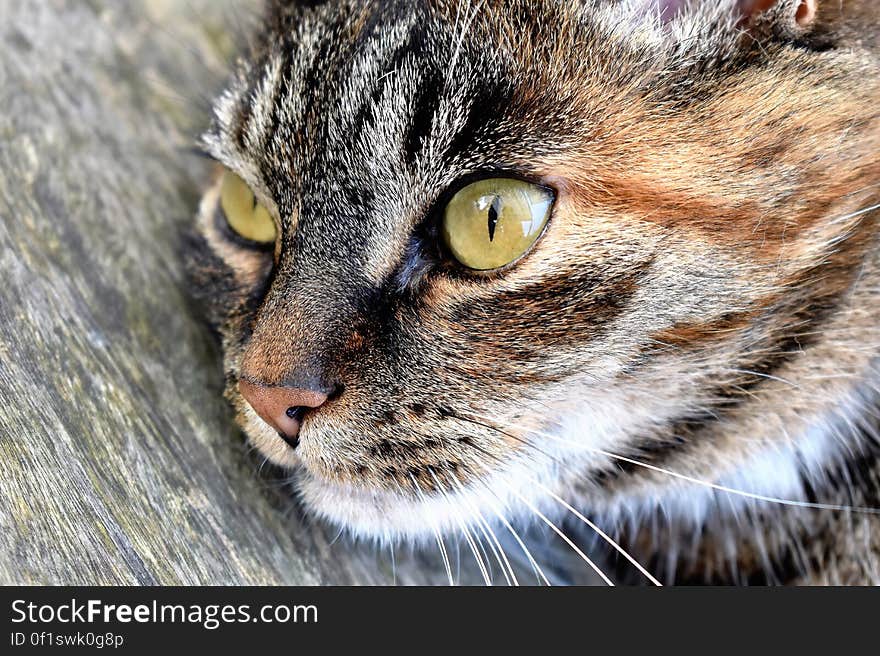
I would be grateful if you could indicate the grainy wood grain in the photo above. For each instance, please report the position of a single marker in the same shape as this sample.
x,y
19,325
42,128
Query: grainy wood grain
x,y
118,460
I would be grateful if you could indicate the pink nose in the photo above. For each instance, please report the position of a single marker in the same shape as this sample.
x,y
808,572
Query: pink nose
x,y
282,408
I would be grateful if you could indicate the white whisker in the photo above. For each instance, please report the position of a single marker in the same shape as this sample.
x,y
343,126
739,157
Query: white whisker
x,y
768,376
443,553
393,565
497,549
852,215
337,536
535,567
467,535
691,479
562,535
601,533
718,487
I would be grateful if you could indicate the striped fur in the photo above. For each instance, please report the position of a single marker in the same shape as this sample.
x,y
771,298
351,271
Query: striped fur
x,y
704,299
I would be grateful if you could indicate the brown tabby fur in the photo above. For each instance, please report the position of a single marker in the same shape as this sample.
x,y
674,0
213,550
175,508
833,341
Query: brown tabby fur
x,y
706,298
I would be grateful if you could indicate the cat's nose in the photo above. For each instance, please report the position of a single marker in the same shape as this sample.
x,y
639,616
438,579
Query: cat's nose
x,y
283,408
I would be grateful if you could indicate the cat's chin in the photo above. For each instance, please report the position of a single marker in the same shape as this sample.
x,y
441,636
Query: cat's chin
x,y
388,515
392,517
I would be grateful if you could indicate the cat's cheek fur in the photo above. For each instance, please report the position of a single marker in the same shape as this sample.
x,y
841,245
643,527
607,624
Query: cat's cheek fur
x,y
578,443
520,492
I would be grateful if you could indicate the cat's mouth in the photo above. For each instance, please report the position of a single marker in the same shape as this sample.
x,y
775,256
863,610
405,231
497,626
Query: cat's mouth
x,y
419,504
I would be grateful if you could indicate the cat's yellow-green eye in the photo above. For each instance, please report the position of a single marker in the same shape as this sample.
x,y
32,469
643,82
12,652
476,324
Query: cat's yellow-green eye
x,y
493,222
245,216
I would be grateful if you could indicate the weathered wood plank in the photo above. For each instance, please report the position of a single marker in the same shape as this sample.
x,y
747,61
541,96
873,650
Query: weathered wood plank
x,y
118,460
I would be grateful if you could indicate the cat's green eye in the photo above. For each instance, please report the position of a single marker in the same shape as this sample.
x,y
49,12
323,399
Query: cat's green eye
x,y
245,216
491,223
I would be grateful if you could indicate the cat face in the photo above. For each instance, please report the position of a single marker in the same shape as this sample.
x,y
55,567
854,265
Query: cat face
x,y
695,230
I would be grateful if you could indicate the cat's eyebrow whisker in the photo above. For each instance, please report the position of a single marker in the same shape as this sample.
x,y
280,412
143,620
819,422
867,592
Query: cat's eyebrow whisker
x,y
440,544
489,534
467,535
468,19
560,533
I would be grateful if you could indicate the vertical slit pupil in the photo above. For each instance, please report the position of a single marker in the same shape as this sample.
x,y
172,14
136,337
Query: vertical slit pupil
x,y
493,217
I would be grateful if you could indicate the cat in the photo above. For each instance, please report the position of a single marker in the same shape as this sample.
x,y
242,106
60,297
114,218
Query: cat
x,y
602,262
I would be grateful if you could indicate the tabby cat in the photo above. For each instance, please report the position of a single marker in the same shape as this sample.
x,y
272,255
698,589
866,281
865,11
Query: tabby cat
x,y
610,263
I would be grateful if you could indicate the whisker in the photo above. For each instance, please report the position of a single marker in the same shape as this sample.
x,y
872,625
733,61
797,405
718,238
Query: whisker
x,y
708,484
478,541
443,554
601,533
497,549
577,514
337,536
515,437
743,493
852,215
465,531
393,565
767,376
535,567
714,486
445,557
562,535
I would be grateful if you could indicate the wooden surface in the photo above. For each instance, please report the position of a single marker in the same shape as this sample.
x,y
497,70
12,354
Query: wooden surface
x,y
118,460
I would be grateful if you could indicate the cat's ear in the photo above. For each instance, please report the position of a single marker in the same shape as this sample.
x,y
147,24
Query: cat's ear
x,y
796,14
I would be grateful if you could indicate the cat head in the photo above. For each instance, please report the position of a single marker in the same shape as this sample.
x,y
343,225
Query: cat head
x,y
675,190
